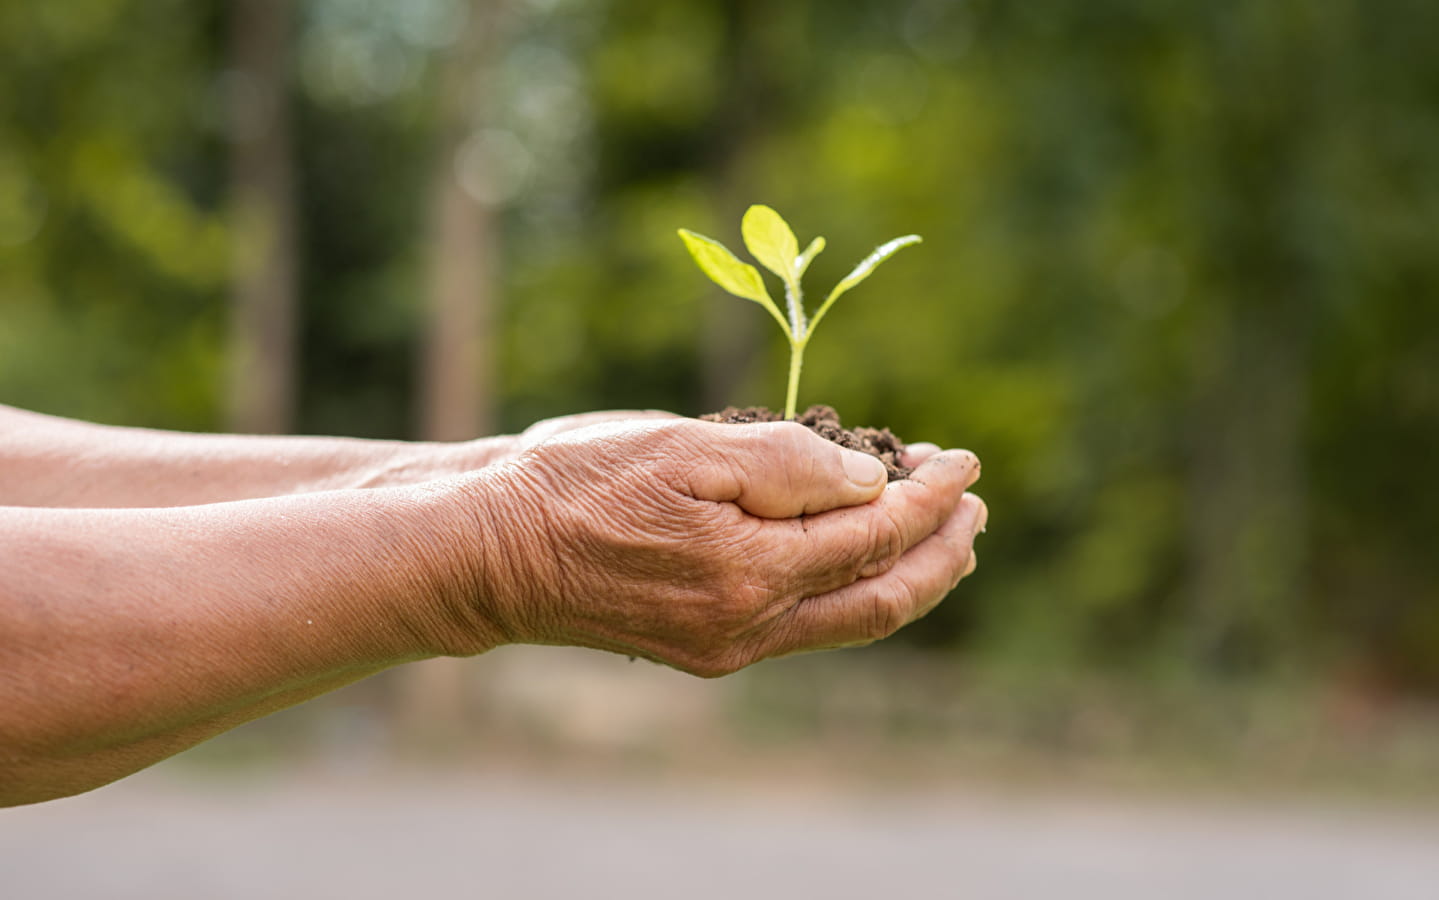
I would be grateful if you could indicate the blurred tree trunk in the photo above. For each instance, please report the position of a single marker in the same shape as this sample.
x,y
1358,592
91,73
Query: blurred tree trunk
x,y
1248,533
730,343
458,373
262,340
1248,527
457,378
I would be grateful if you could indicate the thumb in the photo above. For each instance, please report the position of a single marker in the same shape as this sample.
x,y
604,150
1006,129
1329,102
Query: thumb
x,y
778,470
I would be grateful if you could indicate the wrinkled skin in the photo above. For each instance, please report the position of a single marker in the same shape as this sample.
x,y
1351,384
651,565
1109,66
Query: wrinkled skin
x,y
166,587
709,547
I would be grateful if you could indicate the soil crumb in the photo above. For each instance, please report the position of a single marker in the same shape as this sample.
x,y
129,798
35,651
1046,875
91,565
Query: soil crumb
x,y
824,421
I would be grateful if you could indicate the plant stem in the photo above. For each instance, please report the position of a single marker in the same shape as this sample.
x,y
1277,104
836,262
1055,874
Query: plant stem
x,y
796,362
799,336
794,300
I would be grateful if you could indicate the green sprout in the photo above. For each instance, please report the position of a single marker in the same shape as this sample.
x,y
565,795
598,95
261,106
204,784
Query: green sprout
x,y
771,241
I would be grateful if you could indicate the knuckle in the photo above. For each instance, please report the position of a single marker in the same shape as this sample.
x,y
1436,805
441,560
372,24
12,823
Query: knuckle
x,y
887,615
795,435
790,443
797,446
884,545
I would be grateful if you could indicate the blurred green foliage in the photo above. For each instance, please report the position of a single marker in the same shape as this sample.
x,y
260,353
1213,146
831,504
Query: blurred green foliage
x,y
1178,287
112,249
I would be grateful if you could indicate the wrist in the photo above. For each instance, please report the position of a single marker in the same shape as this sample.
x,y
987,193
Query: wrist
x,y
484,543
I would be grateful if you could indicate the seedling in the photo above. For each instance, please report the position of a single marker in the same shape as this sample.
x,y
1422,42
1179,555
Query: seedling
x,y
771,241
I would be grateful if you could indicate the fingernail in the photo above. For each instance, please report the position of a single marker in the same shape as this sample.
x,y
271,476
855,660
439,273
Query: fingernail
x,y
863,470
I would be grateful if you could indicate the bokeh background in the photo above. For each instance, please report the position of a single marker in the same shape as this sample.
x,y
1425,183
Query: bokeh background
x,y
1178,290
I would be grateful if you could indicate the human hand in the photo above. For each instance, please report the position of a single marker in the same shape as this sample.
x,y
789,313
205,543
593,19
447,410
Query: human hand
x,y
709,547
397,464
545,429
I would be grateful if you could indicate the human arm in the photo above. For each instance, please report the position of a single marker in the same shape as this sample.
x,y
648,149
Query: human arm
x,y
128,635
54,462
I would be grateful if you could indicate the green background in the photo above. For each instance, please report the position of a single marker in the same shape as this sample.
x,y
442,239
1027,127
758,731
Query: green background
x,y
1178,285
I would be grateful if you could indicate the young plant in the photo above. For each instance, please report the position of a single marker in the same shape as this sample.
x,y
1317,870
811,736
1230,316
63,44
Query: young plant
x,y
771,241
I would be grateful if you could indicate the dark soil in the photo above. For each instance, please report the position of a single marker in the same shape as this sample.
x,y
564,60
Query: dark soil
x,y
824,421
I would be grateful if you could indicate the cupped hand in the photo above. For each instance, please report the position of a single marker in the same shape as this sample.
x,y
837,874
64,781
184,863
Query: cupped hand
x,y
709,547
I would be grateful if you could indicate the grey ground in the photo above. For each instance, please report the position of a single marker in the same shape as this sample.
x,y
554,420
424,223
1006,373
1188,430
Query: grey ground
x,y
168,835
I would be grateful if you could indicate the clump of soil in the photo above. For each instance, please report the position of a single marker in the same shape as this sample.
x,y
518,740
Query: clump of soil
x,y
824,421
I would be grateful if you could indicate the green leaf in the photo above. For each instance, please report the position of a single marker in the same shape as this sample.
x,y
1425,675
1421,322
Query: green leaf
x,y
715,259
861,272
815,248
740,279
771,241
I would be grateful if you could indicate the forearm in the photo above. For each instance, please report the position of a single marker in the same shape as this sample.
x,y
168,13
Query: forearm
x,y
128,635
53,462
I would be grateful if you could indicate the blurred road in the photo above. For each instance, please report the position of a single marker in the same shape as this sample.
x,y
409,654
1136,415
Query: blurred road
x,y
160,835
